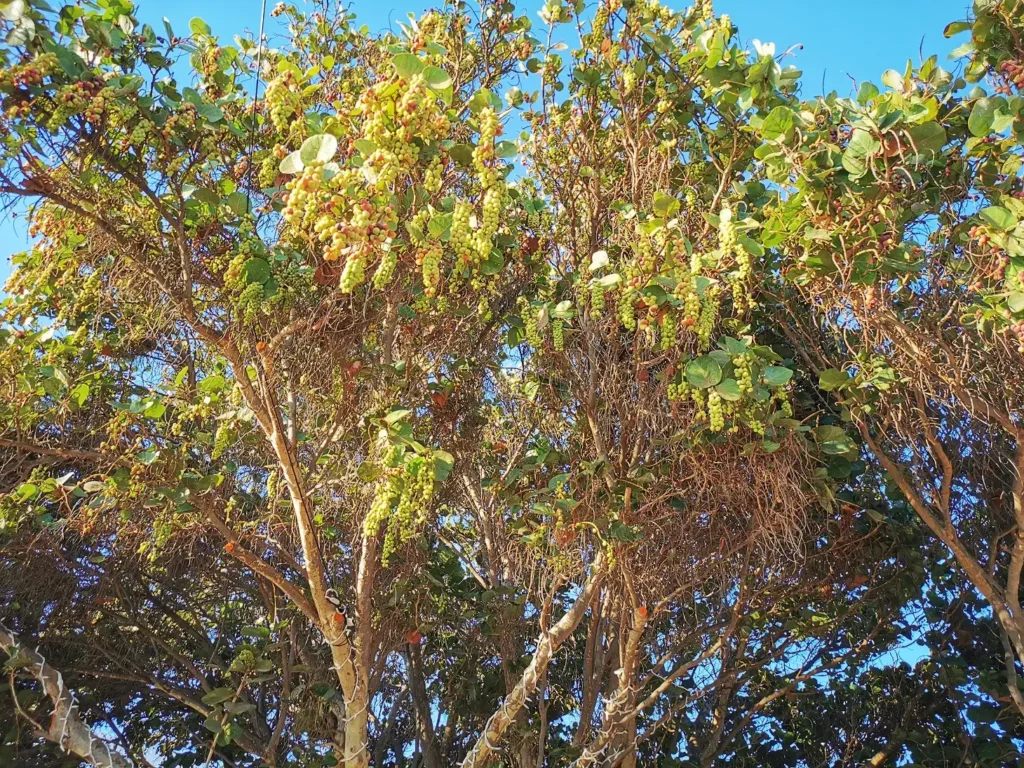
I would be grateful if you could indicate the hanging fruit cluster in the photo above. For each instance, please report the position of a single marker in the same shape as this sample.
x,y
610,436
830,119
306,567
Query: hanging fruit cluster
x,y
283,98
393,168
664,287
401,503
734,383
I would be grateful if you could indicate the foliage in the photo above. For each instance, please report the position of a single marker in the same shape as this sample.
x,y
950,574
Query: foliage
x,y
637,410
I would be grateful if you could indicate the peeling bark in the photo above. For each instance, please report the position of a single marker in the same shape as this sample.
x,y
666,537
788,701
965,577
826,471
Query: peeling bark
x,y
67,727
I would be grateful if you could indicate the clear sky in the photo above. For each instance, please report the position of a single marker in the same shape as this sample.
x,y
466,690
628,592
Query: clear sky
x,y
856,39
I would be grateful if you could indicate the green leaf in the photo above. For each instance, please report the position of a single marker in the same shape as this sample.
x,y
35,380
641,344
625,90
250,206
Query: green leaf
x,y
839,468
211,384
861,147
365,146
482,99
147,457
27,491
22,32
199,27
79,394
609,281
832,379
598,259
622,532
505,149
776,375
982,117
867,93
461,154
833,440
408,65
396,415
14,10
443,463
777,123
893,79
208,196
733,346
493,265
563,310
998,217
256,270
437,79
238,202
318,149
292,164
217,696
729,390
664,205
439,224
1015,302
956,27
704,372
210,112
928,138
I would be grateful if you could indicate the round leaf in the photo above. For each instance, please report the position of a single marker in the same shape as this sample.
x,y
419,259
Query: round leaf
x,y
407,65
776,375
598,260
779,121
293,163
833,440
256,270
832,379
704,372
437,79
998,217
729,390
318,149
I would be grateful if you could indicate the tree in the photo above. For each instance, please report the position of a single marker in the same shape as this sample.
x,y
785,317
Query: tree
x,y
343,426
908,302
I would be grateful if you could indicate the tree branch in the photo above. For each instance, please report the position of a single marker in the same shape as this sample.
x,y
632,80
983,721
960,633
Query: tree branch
x,y
67,728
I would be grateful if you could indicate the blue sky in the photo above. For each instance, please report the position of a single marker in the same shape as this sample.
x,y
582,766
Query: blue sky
x,y
858,39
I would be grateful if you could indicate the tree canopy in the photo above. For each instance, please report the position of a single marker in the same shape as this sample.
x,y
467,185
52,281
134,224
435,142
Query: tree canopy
x,y
548,388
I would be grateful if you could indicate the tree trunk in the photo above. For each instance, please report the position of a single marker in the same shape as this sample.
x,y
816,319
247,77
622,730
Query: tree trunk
x,y
547,644
618,725
67,728
431,755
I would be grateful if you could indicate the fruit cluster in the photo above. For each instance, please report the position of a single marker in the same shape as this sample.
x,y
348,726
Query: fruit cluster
x,y
402,499
532,331
597,302
429,260
397,127
708,316
30,73
1013,72
558,334
283,99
